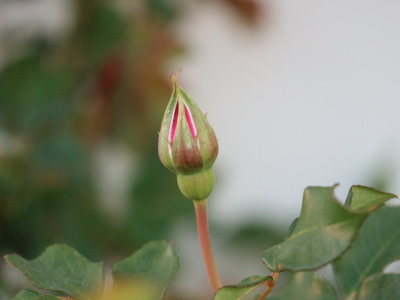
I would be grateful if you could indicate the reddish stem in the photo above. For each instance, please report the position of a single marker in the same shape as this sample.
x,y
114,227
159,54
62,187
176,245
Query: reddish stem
x,y
205,243
270,286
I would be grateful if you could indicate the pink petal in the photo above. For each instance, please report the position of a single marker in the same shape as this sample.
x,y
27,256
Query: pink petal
x,y
189,119
174,123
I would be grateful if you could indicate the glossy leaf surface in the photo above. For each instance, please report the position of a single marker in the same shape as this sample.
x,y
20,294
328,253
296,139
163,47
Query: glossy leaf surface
x,y
381,286
306,285
323,231
366,199
376,246
61,268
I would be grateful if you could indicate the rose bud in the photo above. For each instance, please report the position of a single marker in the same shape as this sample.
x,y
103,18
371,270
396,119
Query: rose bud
x,y
187,144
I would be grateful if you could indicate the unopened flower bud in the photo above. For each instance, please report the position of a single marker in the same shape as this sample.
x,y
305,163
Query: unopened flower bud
x,y
187,144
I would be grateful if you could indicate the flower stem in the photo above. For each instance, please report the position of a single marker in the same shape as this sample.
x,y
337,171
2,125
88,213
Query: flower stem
x,y
205,243
270,286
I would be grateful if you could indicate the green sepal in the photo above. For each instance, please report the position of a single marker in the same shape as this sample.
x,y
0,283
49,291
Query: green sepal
x,y
187,142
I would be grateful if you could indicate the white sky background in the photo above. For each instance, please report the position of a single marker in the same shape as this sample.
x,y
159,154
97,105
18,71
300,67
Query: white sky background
x,y
312,97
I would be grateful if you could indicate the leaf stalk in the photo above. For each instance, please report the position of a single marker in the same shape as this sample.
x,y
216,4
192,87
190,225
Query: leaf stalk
x,y
270,286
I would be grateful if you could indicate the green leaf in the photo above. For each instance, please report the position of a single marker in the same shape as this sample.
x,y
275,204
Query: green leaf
x,y
323,231
376,246
61,268
366,199
237,292
306,285
31,295
381,286
291,228
155,263
26,295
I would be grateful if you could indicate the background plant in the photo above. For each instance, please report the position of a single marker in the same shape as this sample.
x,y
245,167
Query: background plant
x,y
65,100
58,211
358,243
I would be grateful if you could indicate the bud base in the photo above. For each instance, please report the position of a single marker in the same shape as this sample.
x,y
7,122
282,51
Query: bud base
x,y
197,186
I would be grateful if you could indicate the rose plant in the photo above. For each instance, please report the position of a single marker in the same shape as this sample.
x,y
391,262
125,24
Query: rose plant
x,y
358,238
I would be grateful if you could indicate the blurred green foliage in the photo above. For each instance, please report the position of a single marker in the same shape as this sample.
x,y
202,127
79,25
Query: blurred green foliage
x,y
61,99
59,102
